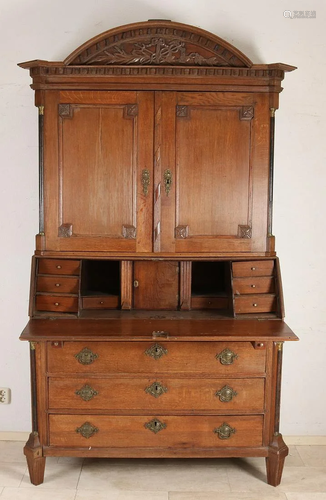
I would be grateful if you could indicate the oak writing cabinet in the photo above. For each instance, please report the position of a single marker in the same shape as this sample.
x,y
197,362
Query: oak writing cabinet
x,y
156,301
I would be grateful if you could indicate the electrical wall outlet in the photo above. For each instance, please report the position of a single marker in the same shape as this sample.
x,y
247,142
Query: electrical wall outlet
x,y
5,395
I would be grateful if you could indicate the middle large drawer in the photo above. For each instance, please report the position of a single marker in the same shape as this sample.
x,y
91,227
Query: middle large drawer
x,y
157,394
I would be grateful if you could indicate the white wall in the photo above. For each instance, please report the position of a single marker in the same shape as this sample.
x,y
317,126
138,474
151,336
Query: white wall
x,y
43,29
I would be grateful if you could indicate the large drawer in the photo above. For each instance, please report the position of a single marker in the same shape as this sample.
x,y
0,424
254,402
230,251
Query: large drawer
x,y
218,358
160,393
154,431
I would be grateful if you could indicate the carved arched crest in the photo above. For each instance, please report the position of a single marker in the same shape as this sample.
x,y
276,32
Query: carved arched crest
x,y
158,43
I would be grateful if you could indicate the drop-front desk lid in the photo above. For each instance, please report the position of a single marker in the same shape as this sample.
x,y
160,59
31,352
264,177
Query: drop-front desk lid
x,y
127,328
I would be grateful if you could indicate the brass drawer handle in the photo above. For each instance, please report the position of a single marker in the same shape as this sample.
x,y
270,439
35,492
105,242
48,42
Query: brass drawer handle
x,y
87,430
254,305
86,356
155,425
86,392
156,389
56,303
156,351
253,286
226,394
226,357
58,267
225,431
57,284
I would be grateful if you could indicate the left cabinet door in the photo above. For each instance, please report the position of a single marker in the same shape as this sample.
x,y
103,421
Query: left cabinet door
x,y
98,171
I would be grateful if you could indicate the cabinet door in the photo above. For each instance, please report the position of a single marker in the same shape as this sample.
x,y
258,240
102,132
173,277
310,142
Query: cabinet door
x,y
98,168
213,170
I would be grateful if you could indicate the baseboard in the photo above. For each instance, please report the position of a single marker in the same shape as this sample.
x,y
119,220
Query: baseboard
x,y
13,436
290,440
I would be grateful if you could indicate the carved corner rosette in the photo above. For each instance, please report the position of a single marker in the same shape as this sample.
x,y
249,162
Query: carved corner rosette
x,y
65,230
65,110
244,231
246,113
181,232
130,111
129,232
182,111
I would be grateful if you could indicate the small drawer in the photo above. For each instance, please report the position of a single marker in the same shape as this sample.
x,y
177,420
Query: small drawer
x,y
58,266
253,268
157,394
149,431
248,286
56,303
101,302
57,285
209,302
254,304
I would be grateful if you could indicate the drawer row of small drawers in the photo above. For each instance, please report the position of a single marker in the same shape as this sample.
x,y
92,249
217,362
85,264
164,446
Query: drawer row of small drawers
x,y
225,358
157,431
254,287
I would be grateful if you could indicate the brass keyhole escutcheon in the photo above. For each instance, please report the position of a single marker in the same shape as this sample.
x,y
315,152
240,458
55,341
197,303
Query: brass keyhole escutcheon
x,y
156,389
226,394
155,425
225,431
156,351
167,181
226,357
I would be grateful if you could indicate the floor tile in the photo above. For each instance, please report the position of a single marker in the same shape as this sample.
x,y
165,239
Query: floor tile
x,y
11,473
121,495
306,496
37,494
57,476
102,475
1,490
313,456
249,478
303,479
12,451
202,495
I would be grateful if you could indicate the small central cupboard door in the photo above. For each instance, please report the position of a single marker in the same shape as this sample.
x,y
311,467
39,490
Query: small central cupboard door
x,y
214,172
98,171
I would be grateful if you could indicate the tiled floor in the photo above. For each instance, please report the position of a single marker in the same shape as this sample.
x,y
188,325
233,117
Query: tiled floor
x,y
304,478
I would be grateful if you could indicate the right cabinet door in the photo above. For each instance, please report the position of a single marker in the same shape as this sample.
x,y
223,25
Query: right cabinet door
x,y
214,172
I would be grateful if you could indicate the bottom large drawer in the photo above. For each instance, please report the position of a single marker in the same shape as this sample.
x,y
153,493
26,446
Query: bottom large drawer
x,y
155,431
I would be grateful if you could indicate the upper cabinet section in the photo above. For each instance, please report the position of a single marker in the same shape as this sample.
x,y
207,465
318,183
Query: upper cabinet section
x,y
156,138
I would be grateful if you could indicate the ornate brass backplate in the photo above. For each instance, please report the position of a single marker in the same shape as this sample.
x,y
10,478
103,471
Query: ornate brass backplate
x,y
155,425
226,394
87,430
86,392
226,357
224,431
156,351
156,389
86,356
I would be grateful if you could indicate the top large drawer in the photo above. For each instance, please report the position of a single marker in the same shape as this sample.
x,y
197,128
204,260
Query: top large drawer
x,y
220,358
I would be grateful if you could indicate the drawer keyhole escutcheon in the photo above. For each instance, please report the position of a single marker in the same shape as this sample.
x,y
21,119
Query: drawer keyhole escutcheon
x,y
156,351
226,357
155,425
86,356
226,394
87,430
156,389
86,392
225,431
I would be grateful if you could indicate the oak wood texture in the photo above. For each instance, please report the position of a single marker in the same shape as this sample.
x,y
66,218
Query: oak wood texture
x,y
133,329
127,394
117,357
155,152
130,431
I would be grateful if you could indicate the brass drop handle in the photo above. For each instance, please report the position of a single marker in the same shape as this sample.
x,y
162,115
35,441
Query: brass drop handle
x,y
225,431
87,430
226,357
86,356
226,394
